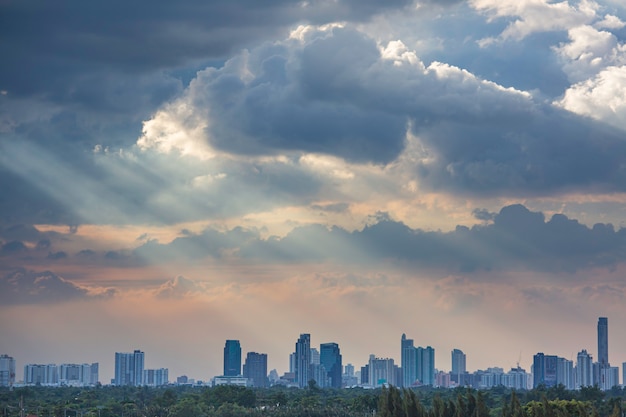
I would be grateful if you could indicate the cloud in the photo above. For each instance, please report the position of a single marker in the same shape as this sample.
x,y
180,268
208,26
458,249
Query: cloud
x,y
602,97
178,287
536,15
29,287
515,239
474,136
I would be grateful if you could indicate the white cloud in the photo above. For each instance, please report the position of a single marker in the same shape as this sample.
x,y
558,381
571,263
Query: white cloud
x,y
533,16
602,97
590,51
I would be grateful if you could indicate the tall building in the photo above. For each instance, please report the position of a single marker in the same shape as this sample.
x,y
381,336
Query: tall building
x,y
584,370
603,342
544,370
129,368
330,357
303,360
232,358
255,369
37,374
565,373
7,371
458,365
426,365
381,372
408,361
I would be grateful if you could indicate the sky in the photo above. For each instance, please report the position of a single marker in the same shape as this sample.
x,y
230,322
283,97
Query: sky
x,y
175,174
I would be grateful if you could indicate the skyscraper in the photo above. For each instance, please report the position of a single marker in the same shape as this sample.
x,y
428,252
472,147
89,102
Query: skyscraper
x,y
544,370
129,368
330,357
408,361
603,342
458,365
303,360
232,358
584,370
426,365
255,369
7,371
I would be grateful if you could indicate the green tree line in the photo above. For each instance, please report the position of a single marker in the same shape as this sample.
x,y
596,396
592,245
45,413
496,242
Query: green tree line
x,y
226,401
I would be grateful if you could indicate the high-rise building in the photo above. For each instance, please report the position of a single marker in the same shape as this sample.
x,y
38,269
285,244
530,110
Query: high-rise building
x,y
330,358
426,365
303,360
129,368
232,358
37,374
458,365
255,369
408,361
7,371
565,373
381,372
603,342
584,369
544,370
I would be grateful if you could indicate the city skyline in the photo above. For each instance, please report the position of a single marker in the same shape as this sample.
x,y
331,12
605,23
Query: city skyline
x,y
416,363
174,176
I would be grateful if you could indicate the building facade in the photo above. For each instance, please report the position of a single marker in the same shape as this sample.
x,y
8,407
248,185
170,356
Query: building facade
x,y
408,361
129,368
584,369
7,371
330,358
303,360
255,369
603,342
458,365
232,358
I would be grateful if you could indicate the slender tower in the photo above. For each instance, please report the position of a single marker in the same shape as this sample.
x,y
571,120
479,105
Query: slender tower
x,y
603,342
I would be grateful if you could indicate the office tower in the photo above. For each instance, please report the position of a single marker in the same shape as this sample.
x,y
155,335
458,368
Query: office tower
x,y
623,373
7,371
544,370
129,368
408,361
603,342
232,358
303,360
458,365
255,369
584,370
330,358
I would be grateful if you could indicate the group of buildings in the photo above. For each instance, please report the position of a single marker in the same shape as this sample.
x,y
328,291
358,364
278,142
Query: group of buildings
x,y
324,368
551,370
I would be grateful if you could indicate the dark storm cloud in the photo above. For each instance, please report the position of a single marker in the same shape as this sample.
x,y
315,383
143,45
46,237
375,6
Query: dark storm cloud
x,y
60,42
335,92
22,286
516,239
